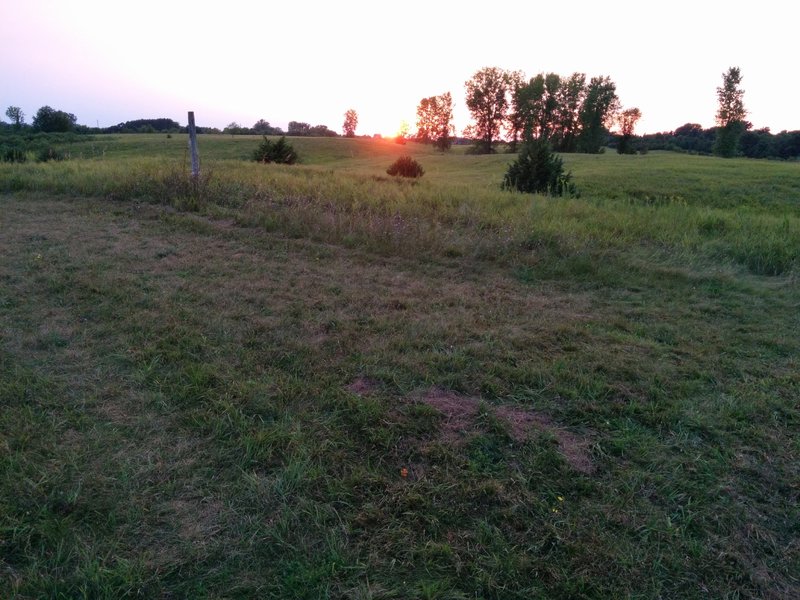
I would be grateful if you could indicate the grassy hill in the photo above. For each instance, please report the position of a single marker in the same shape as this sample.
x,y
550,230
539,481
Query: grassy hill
x,y
316,381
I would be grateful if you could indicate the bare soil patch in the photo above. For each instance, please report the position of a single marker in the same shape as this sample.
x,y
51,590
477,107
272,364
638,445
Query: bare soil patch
x,y
362,386
459,414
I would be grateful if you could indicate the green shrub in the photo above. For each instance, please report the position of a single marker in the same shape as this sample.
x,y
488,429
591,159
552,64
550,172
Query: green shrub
x,y
538,170
280,152
48,153
405,166
12,154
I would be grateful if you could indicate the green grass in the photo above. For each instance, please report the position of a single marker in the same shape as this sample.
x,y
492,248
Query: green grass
x,y
211,391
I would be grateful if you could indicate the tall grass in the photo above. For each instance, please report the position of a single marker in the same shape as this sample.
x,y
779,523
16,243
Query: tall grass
x,y
663,205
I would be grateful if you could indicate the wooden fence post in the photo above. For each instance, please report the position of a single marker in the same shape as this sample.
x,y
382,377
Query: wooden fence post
x,y
193,147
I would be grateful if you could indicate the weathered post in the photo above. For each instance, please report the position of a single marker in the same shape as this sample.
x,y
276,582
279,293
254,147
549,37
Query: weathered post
x,y
193,147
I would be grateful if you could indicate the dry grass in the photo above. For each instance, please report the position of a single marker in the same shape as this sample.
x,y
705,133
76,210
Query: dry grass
x,y
196,407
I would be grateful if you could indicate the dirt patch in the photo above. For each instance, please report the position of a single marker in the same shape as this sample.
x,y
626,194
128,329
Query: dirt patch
x,y
459,414
362,386
522,423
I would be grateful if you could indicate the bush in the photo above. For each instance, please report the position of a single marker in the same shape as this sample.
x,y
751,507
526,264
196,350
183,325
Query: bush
x,y
12,154
405,166
280,152
49,153
538,170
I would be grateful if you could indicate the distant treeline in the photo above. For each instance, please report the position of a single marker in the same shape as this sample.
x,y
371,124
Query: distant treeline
x,y
22,145
261,127
693,139
690,138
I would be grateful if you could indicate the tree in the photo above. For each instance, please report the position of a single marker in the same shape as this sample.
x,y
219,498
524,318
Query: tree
x,y
570,98
50,120
16,115
599,107
350,123
321,131
433,120
536,106
234,128
730,114
487,100
298,128
263,127
515,118
627,120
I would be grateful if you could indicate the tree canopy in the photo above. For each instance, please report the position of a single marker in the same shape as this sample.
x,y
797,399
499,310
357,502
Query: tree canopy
x,y
627,120
596,114
350,123
569,113
50,120
730,113
434,115
16,115
487,101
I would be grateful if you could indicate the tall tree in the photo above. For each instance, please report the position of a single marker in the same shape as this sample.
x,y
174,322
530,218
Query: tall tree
x,y
627,120
516,115
434,116
350,123
298,128
597,113
487,100
730,114
571,95
541,106
50,120
16,115
234,128
262,127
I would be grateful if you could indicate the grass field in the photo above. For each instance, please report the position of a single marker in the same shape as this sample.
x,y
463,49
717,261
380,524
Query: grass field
x,y
318,382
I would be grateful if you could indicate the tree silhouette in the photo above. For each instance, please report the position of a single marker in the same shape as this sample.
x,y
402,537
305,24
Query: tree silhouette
x,y
627,120
16,115
350,123
598,110
730,114
487,100
433,120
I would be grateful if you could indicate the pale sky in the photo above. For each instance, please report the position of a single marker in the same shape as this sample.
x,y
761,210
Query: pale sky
x,y
111,61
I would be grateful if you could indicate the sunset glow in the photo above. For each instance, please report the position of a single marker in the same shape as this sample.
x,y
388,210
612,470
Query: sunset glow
x,y
310,61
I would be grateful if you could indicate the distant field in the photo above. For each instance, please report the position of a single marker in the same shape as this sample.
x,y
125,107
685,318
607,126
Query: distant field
x,y
319,382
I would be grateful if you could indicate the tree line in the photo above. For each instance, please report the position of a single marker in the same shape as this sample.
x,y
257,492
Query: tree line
x,y
692,138
570,112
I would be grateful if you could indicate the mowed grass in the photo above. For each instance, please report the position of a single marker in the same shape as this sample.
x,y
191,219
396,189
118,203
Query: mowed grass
x,y
317,382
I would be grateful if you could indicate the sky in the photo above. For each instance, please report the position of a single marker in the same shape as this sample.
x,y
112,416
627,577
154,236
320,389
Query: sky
x,y
111,61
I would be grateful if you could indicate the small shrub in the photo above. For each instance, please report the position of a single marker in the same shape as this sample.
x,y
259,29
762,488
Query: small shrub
x,y
405,166
280,152
538,170
12,154
49,153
